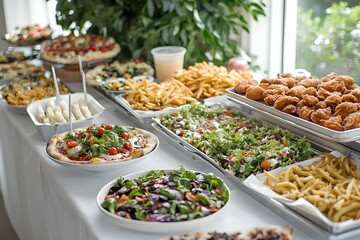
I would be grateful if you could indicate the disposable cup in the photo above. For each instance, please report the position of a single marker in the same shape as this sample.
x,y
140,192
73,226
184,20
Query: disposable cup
x,y
168,60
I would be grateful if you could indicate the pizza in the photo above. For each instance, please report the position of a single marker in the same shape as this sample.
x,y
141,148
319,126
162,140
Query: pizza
x,y
241,145
258,233
29,34
90,46
101,144
116,70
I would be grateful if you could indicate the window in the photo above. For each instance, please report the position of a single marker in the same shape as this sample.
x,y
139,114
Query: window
x,y
327,37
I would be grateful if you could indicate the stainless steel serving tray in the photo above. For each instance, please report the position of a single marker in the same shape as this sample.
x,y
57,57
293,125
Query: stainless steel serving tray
x,y
289,215
325,133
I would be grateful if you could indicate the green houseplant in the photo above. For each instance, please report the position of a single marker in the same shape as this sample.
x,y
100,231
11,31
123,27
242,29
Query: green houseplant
x,y
139,25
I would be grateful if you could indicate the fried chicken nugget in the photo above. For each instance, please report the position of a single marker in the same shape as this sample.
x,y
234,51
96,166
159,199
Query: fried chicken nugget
x,y
270,100
323,94
243,85
296,91
290,109
345,109
335,123
352,121
334,86
276,89
349,98
321,105
289,82
310,100
320,115
356,93
305,112
333,100
311,91
283,101
310,82
255,93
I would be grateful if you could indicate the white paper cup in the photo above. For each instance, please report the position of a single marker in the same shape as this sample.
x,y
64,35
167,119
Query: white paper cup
x,y
167,61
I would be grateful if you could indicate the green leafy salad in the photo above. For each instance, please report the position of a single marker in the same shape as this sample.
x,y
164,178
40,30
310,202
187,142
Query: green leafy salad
x,y
240,145
167,196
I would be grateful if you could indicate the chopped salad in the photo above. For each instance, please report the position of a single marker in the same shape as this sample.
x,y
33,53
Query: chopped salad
x,y
240,145
167,196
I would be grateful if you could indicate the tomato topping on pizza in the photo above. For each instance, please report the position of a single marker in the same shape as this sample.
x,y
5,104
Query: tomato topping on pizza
x,y
104,143
90,46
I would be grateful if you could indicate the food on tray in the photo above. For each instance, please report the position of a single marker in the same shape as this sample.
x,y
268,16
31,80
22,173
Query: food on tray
x,y
332,101
206,80
29,89
101,144
52,113
331,184
167,196
258,233
241,146
153,96
10,55
90,46
116,70
29,34
19,69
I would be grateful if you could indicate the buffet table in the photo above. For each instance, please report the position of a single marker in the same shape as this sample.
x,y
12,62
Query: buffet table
x,y
45,200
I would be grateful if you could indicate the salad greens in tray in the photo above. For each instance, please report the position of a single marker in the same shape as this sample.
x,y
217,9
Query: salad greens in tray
x,y
167,196
240,145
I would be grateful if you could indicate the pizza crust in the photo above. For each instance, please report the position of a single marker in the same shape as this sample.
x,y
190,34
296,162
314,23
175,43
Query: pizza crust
x,y
55,140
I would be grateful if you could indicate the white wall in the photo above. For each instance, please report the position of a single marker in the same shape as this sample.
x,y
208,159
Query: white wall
x,y
24,12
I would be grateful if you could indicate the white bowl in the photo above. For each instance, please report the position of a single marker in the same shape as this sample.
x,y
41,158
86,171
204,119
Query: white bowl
x,y
155,227
47,130
103,167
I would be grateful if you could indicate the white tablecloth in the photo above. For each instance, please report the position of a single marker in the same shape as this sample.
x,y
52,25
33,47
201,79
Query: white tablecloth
x,y
47,201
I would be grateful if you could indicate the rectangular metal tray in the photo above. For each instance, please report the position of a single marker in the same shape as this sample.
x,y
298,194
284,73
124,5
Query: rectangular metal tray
x,y
326,133
289,215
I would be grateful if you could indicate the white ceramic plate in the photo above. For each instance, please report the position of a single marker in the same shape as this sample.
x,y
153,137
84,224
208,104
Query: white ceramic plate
x,y
103,167
155,227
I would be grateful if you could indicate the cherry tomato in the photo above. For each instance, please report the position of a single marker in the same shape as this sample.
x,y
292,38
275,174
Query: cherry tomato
x,y
108,127
89,129
128,146
124,135
122,150
113,151
101,131
265,164
71,143
81,135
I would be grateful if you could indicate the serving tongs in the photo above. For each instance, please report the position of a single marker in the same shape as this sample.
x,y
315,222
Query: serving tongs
x,y
58,96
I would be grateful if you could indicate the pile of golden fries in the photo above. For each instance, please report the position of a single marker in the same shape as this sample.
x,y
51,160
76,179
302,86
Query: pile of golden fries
x,y
153,96
332,185
206,80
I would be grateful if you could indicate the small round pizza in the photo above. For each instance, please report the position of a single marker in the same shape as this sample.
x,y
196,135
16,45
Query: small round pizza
x,y
91,47
99,144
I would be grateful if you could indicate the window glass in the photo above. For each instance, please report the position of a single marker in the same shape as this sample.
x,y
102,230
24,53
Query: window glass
x,y
328,37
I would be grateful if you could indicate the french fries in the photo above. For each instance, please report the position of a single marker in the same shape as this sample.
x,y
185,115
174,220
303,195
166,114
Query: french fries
x,y
331,184
205,80
152,96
